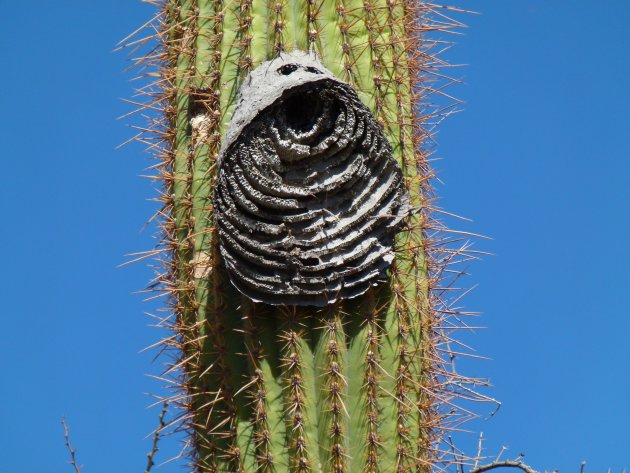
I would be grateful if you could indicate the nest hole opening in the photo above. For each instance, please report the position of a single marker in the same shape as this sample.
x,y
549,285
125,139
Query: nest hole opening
x,y
302,111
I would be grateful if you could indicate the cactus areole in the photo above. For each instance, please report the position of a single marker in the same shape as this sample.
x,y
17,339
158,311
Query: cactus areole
x,y
308,197
304,320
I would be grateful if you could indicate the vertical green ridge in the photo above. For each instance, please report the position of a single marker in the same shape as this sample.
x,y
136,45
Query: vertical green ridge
x,y
330,39
423,321
296,29
256,389
331,388
205,125
405,390
416,277
245,61
276,20
299,324
293,365
360,55
341,417
241,453
204,148
183,41
346,52
373,376
271,369
242,450
383,40
320,363
229,66
357,396
312,13
260,46
390,347
378,47
222,433
393,337
181,170
202,262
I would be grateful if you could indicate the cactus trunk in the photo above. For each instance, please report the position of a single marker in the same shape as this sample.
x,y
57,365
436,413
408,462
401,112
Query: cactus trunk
x,y
345,388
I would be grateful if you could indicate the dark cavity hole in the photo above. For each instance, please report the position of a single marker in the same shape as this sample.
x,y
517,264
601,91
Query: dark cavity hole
x,y
302,110
310,261
287,69
201,101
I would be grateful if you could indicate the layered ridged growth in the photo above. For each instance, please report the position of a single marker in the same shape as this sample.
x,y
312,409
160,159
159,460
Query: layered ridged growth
x,y
308,197
353,386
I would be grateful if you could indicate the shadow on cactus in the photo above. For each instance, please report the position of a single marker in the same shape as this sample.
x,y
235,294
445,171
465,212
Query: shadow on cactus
x,y
300,252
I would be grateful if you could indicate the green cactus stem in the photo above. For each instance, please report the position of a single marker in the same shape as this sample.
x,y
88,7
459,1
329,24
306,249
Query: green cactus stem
x,y
351,387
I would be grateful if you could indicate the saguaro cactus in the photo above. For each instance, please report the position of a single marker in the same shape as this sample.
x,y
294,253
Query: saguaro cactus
x,y
315,384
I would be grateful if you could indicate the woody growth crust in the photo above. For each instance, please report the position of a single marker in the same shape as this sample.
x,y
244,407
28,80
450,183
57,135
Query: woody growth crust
x,y
308,198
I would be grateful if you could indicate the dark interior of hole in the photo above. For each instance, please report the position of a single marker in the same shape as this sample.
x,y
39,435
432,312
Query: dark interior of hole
x,y
310,261
302,110
200,100
288,69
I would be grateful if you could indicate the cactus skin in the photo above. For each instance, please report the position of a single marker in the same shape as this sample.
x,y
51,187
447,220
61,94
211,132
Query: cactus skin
x,y
350,387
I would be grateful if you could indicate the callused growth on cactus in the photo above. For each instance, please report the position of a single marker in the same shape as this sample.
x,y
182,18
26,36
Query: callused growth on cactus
x,y
308,197
338,368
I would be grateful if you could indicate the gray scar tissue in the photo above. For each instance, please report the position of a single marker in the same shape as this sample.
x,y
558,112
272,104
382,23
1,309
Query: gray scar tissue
x,y
308,197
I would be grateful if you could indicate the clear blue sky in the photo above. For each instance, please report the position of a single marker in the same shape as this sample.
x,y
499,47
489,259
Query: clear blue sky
x,y
539,159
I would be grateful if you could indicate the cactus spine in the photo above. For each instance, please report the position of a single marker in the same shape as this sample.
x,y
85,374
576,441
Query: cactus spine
x,y
351,387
